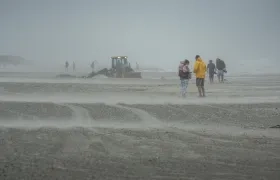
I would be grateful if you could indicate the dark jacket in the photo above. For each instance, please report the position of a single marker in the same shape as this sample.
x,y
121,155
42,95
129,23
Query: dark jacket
x,y
220,65
211,68
184,72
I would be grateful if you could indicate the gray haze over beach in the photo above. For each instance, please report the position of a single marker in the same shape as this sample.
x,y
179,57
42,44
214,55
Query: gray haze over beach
x,y
156,33
112,128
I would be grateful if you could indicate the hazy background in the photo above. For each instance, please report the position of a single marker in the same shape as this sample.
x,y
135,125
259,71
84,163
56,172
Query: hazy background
x,y
150,32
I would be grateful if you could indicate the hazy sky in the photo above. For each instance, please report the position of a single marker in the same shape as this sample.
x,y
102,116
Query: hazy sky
x,y
152,32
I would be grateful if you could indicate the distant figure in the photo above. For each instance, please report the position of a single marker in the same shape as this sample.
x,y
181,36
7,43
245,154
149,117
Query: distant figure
x,y
137,66
221,66
74,67
211,69
200,71
66,66
92,66
185,75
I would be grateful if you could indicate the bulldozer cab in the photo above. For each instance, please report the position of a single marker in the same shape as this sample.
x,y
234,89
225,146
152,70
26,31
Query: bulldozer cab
x,y
121,68
119,61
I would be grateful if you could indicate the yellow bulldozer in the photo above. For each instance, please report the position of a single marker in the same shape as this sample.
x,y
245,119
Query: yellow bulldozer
x,y
120,68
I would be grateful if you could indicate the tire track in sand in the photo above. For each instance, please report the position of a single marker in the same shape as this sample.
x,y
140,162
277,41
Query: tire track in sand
x,y
147,119
80,114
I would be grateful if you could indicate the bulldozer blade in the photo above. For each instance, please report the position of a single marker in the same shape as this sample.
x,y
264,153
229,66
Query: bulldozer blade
x,y
133,75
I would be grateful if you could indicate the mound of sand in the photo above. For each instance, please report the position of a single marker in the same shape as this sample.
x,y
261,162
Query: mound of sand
x,y
65,76
100,76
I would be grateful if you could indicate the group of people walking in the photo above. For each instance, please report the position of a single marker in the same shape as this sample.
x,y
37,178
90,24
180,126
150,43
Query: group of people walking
x,y
219,69
200,69
74,66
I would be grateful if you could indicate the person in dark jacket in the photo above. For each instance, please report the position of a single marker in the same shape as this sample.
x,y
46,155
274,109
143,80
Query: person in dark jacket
x,y
66,66
92,66
185,75
211,69
221,67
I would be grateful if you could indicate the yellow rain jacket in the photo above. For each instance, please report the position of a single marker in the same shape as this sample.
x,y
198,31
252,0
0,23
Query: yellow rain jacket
x,y
199,68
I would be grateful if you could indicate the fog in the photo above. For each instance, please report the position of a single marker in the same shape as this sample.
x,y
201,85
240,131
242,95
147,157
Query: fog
x,y
63,127
156,33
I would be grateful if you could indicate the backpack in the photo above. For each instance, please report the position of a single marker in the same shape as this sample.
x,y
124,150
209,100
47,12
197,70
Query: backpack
x,y
184,75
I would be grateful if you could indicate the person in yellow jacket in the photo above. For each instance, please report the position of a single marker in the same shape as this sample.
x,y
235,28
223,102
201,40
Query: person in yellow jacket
x,y
200,72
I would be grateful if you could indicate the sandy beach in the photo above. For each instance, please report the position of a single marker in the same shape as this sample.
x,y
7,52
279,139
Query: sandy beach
x,y
139,129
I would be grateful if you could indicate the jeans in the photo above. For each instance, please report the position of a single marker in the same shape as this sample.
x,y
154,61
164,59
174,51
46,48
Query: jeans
x,y
184,85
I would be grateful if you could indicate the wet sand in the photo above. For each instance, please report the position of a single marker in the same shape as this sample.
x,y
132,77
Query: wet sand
x,y
139,129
